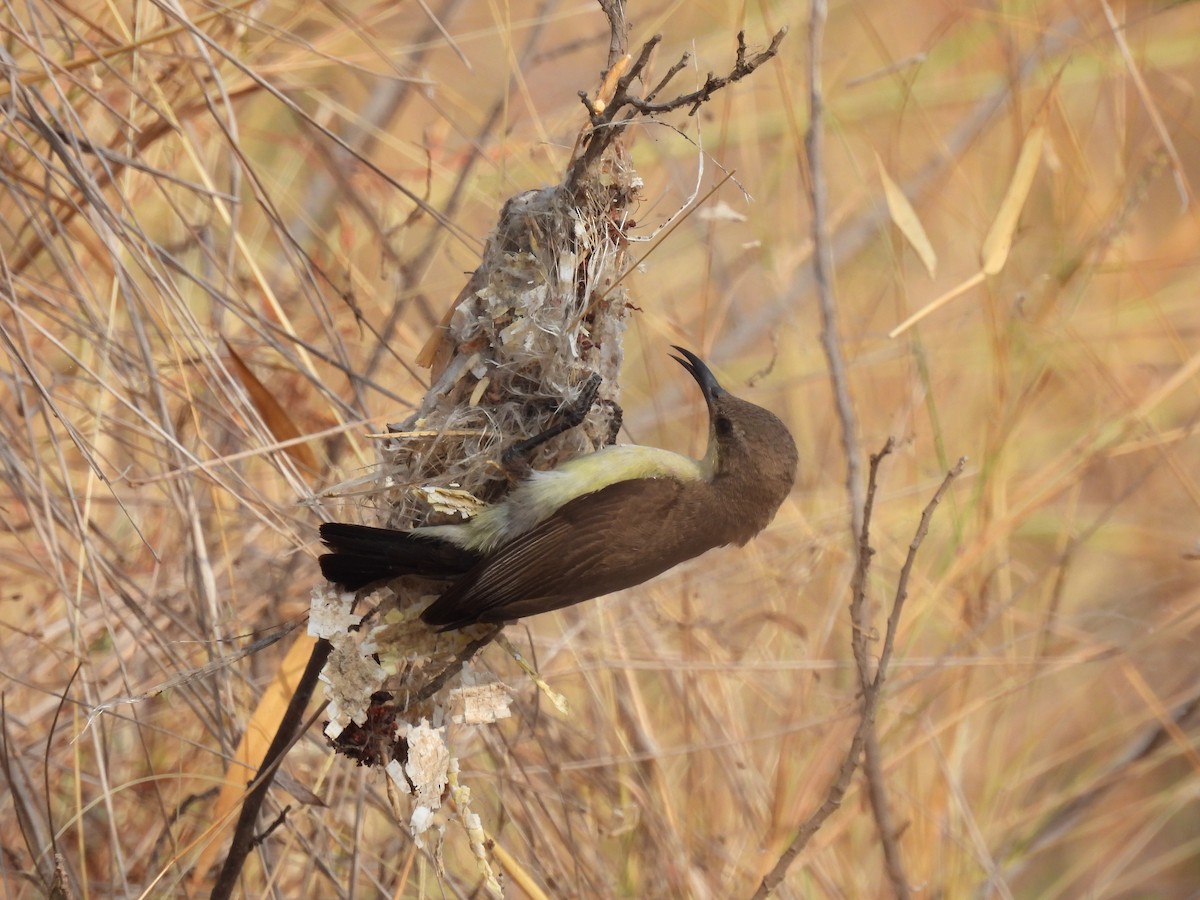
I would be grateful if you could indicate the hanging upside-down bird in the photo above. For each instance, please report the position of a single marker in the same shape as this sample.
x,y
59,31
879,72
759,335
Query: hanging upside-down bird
x,y
596,524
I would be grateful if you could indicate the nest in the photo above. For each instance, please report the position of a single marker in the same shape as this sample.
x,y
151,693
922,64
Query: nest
x,y
537,318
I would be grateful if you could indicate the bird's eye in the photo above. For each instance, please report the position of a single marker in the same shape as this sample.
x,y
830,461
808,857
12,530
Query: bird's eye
x,y
724,426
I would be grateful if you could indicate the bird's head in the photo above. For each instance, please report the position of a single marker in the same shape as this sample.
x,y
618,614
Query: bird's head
x,y
747,445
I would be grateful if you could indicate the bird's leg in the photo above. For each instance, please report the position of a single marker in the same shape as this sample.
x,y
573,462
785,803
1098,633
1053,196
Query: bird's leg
x,y
516,458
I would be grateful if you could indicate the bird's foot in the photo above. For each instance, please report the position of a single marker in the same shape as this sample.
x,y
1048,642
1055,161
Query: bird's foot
x,y
515,459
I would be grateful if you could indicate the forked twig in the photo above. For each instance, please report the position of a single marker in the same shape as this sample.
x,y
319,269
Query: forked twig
x,y
713,83
870,696
606,119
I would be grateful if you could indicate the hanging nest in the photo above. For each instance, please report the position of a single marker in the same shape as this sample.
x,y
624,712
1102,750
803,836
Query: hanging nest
x,y
540,315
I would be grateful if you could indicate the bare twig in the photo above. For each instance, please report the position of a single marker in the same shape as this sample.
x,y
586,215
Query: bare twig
x,y
243,835
671,73
841,783
814,144
872,759
618,29
873,689
831,342
452,668
713,83
889,638
607,125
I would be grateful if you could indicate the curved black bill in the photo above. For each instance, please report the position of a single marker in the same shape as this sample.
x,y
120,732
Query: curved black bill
x,y
709,385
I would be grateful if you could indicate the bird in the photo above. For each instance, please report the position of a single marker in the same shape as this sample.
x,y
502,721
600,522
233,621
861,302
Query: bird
x,y
598,523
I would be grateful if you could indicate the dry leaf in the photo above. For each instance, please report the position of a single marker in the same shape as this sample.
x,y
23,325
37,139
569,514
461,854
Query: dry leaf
x,y
999,238
273,414
905,218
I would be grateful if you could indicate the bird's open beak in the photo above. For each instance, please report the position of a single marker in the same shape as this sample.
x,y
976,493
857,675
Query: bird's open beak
x,y
698,370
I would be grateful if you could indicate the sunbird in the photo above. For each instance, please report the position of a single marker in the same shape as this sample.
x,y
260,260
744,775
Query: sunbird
x,y
598,523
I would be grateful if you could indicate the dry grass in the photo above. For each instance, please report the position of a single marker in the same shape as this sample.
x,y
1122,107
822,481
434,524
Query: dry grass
x,y
155,522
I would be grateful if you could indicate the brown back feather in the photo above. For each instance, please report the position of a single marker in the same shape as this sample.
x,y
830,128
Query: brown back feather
x,y
592,546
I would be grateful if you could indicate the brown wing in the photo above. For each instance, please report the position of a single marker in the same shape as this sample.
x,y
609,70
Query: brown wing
x,y
602,542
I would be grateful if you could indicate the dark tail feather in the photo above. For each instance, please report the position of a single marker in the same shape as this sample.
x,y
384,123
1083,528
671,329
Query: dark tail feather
x,y
360,555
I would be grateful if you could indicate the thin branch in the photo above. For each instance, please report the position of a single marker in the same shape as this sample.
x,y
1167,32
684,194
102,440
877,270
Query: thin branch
x,y
713,83
606,124
889,638
618,29
814,145
671,73
870,698
841,783
873,756
243,834
823,275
